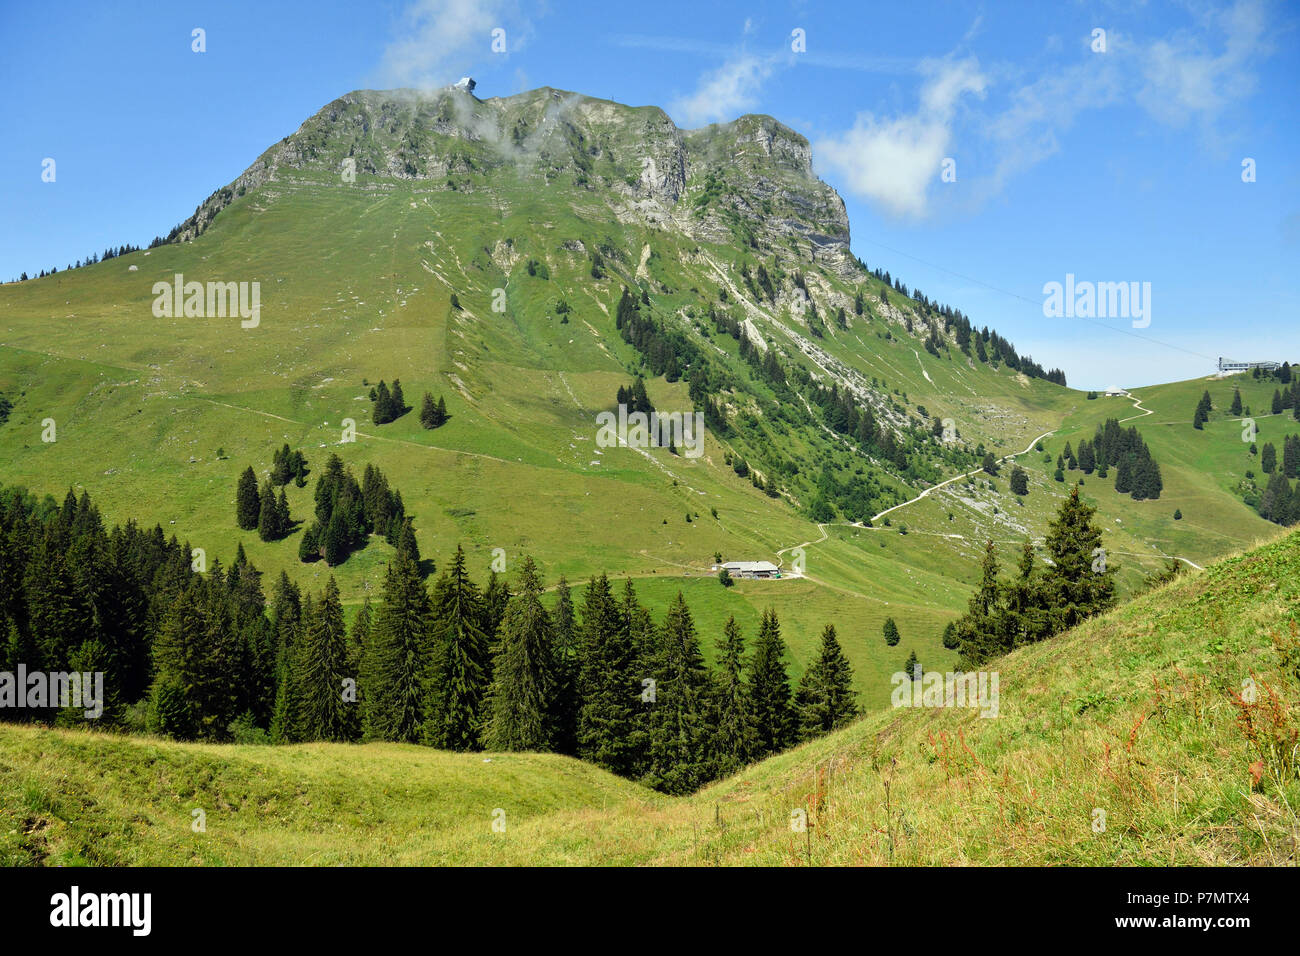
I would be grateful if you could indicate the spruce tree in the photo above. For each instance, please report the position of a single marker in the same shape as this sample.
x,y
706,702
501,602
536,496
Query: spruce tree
x,y
1124,475
283,520
891,632
912,665
1073,590
980,632
406,542
564,702
735,734
336,539
397,656
309,545
825,699
321,664
383,405
770,688
495,598
268,518
1236,402
460,675
248,503
523,673
609,687
681,758
1268,458
428,412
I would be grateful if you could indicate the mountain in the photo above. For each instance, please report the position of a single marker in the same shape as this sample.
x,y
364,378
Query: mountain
x,y
479,250
1161,733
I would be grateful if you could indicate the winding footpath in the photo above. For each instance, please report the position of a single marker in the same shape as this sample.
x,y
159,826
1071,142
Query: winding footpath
x,y
821,526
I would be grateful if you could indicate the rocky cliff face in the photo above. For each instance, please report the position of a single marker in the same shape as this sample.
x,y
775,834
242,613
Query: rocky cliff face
x,y
749,181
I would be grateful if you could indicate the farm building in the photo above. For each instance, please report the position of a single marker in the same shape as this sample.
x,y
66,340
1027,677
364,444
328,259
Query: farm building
x,y
752,569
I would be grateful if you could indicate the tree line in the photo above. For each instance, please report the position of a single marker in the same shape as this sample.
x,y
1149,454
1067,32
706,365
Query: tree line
x,y
1137,473
1034,604
199,655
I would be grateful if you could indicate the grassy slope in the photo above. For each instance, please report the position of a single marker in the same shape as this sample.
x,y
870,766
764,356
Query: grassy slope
x,y
1130,714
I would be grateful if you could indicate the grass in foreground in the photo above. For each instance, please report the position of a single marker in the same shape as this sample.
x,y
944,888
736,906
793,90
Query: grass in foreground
x,y
1137,715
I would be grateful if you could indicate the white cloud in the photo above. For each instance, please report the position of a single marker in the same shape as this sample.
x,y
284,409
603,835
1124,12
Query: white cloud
x,y
1184,80
442,39
1195,74
894,161
724,93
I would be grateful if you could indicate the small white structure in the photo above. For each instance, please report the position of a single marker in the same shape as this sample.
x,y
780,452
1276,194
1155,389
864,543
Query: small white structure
x,y
1116,392
465,83
752,569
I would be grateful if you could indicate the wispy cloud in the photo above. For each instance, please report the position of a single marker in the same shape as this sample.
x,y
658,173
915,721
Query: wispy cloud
x,y
725,92
896,65
1185,80
893,161
1195,75
442,39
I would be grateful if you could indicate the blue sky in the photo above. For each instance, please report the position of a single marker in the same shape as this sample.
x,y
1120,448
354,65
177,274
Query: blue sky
x,y
1115,165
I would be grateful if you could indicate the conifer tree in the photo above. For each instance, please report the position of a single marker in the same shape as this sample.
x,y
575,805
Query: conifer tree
x,y
1236,402
283,520
825,699
564,707
1024,617
406,542
248,503
891,632
460,674
268,517
1124,475
523,673
172,710
681,758
1268,458
912,666
428,412
1079,583
980,630
770,688
397,657
309,545
321,663
495,598
335,545
637,630
735,736
608,687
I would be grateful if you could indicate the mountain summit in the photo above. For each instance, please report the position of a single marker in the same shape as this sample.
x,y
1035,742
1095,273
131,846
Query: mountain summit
x,y
748,181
